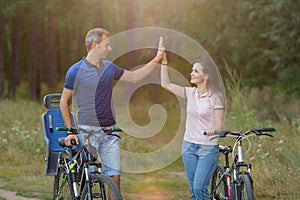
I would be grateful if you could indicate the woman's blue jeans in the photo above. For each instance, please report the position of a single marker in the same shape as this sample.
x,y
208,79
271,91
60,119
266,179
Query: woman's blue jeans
x,y
200,162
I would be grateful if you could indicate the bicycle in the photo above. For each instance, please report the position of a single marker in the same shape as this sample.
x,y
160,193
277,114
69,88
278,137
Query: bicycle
x,y
80,175
233,182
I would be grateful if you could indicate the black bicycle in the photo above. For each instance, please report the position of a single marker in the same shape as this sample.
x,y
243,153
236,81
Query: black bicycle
x,y
80,175
234,182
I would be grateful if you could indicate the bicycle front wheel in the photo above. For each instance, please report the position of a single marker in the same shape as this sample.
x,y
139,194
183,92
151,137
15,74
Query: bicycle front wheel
x,y
102,187
61,185
245,189
217,186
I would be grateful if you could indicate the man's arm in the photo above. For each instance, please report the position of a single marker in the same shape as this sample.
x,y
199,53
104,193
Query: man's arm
x,y
137,75
66,97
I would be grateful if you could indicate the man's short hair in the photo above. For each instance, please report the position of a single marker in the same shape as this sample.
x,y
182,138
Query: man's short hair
x,y
94,34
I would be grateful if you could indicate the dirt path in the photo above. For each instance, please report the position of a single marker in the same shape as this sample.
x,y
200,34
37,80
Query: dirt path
x,y
12,196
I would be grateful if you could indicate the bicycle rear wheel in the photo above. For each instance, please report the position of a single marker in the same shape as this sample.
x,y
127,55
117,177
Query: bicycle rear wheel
x,y
61,185
217,186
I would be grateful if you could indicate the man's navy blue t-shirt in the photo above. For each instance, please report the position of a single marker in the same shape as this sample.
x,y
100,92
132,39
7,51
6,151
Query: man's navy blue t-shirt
x,y
92,87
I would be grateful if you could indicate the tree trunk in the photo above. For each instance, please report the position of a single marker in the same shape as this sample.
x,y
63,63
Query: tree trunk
x,y
98,15
2,88
67,48
36,60
52,70
13,69
130,22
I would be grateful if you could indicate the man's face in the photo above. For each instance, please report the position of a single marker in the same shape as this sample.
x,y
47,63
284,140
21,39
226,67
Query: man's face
x,y
103,47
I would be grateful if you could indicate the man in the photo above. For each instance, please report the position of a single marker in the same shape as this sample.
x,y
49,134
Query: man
x,y
90,81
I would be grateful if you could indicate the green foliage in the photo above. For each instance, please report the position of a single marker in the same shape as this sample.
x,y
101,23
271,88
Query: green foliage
x,y
20,126
281,31
258,38
9,8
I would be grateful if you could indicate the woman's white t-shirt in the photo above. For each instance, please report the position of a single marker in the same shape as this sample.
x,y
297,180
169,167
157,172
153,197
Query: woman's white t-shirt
x,y
201,115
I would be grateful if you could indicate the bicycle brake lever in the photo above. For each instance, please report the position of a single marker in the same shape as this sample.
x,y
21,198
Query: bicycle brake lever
x,y
214,137
266,134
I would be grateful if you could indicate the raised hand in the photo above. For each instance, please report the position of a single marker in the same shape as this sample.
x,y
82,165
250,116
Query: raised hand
x,y
164,59
161,50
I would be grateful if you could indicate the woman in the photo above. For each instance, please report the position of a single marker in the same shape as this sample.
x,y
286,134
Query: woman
x,y
205,112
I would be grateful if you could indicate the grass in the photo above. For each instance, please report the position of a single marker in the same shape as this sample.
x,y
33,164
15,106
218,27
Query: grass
x,y
275,161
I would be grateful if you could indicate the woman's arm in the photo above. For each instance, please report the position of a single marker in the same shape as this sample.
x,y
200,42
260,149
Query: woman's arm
x,y
166,84
219,119
219,122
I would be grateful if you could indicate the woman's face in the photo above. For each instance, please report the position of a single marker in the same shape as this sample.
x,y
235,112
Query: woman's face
x,y
197,74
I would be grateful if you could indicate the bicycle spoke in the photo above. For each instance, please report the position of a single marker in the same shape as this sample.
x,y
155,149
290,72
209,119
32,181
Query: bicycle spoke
x,y
103,188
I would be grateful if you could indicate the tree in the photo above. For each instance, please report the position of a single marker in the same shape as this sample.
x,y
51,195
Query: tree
x,y
52,60
36,53
2,89
281,37
15,55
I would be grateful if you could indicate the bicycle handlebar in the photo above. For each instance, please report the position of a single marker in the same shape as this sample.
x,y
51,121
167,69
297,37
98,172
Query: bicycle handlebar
x,y
267,129
106,130
75,130
257,132
71,129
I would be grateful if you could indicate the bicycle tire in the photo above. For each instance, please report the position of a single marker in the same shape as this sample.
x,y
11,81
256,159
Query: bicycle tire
x,y
109,185
58,181
218,192
245,190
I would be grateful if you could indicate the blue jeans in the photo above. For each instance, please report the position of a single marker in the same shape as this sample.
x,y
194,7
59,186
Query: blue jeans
x,y
200,162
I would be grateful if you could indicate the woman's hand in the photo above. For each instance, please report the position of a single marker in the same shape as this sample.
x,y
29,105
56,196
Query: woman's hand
x,y
210,132
164,59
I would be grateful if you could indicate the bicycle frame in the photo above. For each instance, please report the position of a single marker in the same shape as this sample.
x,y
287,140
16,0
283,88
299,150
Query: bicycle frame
x,y
70,169
236,180
85,165
85,176
232,172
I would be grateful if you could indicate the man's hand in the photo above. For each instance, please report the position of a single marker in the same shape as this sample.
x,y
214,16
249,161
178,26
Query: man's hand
x,y
69,138
160,50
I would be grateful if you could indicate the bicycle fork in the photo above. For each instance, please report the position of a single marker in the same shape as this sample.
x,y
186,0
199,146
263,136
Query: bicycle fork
x,y
238,162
